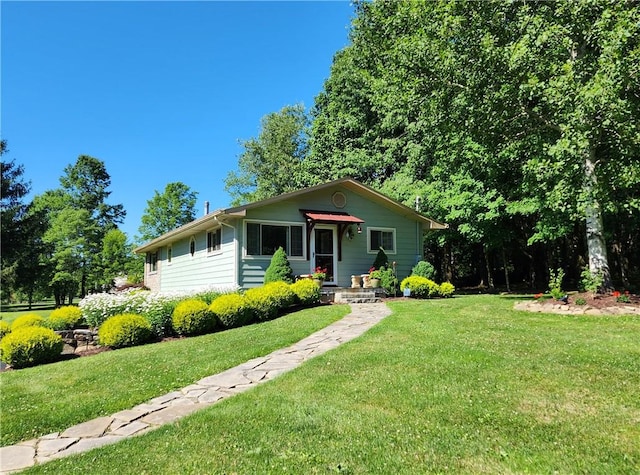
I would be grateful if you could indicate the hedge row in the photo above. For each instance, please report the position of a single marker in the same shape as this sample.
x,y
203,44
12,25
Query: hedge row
x,y
423,288
31,339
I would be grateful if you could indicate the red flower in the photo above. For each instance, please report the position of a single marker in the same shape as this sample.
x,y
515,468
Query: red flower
x,y
371,270
616,293
537,296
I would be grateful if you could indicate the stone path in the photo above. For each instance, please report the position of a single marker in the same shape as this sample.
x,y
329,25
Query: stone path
x,y
174,405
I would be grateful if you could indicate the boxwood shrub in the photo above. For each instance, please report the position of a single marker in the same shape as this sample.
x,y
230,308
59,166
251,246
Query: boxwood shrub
x,y
231,310
64,318
306,292
447,289
193,317
267,301
421,287
30,346
127,329
28,320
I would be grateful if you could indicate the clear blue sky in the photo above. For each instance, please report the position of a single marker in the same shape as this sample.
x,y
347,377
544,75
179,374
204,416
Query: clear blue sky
x,y
159,91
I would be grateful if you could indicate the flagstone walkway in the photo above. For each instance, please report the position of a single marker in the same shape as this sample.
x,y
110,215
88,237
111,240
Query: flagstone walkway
x,y
174,405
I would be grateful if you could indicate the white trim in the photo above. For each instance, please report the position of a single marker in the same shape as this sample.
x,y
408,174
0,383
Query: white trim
x,y
248,256
334,238
384,230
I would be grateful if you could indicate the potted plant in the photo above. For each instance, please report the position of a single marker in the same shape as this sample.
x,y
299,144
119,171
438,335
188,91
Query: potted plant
x,y
374,277
319,275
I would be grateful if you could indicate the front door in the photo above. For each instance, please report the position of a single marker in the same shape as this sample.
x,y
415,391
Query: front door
x,y
325,251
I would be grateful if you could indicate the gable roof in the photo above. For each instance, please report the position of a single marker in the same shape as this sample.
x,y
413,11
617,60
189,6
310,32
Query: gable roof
x,y
216,217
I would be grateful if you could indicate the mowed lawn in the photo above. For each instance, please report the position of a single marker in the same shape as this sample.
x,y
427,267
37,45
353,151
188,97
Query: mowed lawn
x,y
466,385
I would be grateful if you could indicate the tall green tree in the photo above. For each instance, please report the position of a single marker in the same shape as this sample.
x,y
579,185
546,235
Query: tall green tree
x,y
77,219
271,163
168,210
515,122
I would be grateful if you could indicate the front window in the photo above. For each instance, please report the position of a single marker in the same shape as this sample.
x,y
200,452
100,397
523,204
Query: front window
x,y
384,238
265,239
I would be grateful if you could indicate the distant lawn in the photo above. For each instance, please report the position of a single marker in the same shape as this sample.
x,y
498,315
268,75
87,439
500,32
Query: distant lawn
x,y
9,312
466,385
37,401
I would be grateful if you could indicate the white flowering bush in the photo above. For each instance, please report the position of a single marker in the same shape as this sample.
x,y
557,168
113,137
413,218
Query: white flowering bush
x,y
156,307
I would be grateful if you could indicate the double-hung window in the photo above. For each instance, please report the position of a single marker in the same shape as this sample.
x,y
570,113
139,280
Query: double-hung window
x,y
214,240
264,239
384,238
153,261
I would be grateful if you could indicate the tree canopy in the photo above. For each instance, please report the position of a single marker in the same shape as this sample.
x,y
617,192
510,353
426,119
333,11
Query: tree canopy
x,y
168,210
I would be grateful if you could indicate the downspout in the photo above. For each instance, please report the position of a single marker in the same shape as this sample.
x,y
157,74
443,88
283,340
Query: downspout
x,y
235,249
418,240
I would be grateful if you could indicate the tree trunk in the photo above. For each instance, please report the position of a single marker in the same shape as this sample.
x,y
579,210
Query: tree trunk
x,y
505,263
486,262
596,246
448,263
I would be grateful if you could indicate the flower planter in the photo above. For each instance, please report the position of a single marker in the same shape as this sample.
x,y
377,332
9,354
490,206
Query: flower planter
x,y
375,283
356,281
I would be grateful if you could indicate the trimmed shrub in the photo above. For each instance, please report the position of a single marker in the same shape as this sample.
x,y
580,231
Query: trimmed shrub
x,y
279,269
381,260
446,289
421,287
424,269
127,329
193,317
231,310
30,346
64,318
5,329
28,320
306,292
265,302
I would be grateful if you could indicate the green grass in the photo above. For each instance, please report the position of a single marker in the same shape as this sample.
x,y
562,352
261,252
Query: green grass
x,y
10,312
466,385
48,398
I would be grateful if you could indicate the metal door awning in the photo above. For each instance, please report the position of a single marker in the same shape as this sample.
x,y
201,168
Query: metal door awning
x,y
342,219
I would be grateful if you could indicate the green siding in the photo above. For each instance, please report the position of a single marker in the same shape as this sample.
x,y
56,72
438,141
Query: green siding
x,y
355,258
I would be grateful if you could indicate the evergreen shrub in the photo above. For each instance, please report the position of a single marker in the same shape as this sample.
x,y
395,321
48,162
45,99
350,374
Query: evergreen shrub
x,y
381,260
193,317
306,292
424,269
421,287
28,320
446,289
231,310
279,269
127,329
5,329
265,302
64,318
30,346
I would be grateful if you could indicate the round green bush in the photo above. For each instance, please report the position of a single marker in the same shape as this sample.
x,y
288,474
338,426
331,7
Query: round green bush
x,y
64,318
421,287
28,320
193,317
447,289
127,329
424,269
306,292
5,329
230,310
265,302
30,346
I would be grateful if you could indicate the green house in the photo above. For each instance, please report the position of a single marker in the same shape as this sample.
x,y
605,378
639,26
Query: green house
x,y
338,226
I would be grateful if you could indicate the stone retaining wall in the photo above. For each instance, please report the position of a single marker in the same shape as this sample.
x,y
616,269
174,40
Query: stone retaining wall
x,y
79,340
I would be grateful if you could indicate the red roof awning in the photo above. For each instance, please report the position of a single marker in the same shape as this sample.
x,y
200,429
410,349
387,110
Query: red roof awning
x,y
321,217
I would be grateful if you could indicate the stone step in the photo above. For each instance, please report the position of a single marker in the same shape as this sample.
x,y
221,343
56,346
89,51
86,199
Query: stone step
x,y
354,296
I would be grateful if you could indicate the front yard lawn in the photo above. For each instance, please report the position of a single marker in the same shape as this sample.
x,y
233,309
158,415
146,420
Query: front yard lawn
x,y
466,385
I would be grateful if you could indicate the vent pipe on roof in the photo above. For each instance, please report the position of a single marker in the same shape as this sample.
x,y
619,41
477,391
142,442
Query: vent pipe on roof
x,y
206,208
